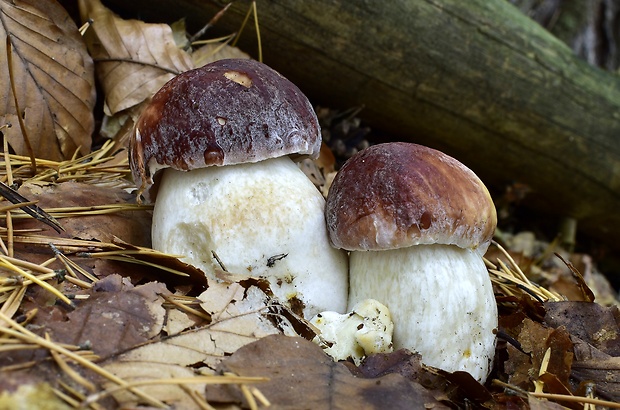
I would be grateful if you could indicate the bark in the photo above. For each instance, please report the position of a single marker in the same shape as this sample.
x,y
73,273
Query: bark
x,y
590,27
476,79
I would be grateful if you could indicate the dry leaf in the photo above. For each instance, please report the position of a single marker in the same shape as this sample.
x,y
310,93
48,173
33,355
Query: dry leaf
x,y
543,404
192,276
213,52
178,321
301,376
595,330
116,317
240,314
409,365
32,396
53,78
535,339
130,226
591,322
133,226
238,318
134,59
598,368
401,361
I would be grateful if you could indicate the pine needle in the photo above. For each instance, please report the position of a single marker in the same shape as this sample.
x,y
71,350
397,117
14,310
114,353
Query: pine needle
x,y
215,379
4,262
20,332
64,366
504,275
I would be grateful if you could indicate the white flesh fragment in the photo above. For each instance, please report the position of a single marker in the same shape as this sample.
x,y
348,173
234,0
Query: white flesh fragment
x,y
366,330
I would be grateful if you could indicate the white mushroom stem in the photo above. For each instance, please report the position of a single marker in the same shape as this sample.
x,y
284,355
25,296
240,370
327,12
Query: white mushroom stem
x,y
367,329
441,301
263,219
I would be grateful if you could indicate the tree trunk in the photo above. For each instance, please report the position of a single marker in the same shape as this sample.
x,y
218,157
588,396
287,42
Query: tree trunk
x,y
476,79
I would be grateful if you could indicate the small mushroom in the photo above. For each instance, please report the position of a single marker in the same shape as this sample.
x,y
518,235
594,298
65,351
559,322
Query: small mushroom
x,y
224,132
367,329
417,223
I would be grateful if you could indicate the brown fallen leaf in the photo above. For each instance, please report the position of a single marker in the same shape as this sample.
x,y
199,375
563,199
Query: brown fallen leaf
x,y
117,316
542,404
524,367
131,226
33,210
595,332
301,376
446,387
401,361
133,58
590,322
147,263
53,79
597,368
77,207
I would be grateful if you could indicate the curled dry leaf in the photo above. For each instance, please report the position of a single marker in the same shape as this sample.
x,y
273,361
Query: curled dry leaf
x,y
82,201
134,59
53,78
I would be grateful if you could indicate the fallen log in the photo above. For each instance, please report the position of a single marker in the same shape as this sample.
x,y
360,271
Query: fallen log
x,y
476,79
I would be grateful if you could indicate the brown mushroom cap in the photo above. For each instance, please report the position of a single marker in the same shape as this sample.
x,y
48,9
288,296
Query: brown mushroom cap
x,y
398,194
227,112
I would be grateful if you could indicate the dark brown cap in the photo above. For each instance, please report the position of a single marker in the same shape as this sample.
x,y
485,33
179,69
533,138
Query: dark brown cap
x,y
227,112
400,194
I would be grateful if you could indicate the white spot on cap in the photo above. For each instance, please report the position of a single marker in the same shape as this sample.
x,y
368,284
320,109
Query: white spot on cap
x,y
239,78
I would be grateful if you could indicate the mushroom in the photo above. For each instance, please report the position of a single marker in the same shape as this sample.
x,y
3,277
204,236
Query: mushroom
x,y
367,329
230,195
417,223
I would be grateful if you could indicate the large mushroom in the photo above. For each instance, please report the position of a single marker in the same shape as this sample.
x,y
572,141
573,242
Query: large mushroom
x,y
417,223
230,194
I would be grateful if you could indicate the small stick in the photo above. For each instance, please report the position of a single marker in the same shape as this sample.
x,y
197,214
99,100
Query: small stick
x,y
33,210
210,24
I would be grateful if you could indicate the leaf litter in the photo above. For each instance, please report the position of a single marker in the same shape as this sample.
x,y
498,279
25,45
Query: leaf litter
x,y
107,322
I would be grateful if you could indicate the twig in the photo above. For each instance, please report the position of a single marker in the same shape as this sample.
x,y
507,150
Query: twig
x,y
557,397
210,24
27,206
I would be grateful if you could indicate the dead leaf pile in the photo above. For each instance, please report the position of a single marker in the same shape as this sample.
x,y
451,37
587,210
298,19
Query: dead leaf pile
x,y
91,316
